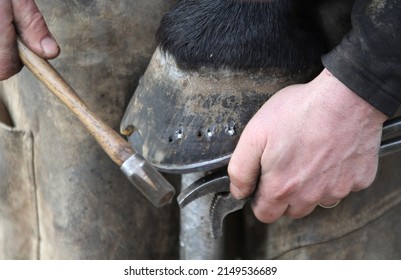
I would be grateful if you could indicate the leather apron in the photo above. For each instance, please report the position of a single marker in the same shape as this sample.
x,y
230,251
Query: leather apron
x,y
61,197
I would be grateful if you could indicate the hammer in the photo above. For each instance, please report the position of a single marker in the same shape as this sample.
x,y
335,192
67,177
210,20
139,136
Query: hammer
x,y
140,173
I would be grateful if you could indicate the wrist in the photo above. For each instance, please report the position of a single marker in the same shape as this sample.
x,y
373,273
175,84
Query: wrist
x,y
346,102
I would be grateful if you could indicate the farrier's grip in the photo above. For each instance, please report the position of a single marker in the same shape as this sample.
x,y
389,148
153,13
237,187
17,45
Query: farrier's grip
x,y
144,176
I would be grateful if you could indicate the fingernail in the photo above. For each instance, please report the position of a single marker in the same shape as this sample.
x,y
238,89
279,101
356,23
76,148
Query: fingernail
x,y
49,46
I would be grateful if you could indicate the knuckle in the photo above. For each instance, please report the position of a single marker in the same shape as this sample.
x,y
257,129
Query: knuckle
x,y
4,75
284,191
296,214
263,211
37,22
312,198
264,216
233,170
8,69
364,182
29,18
368,176
340,191
239,178
4,72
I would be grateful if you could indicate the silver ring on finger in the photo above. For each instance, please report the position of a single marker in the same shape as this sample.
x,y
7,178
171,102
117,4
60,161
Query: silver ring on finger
x,y
329,206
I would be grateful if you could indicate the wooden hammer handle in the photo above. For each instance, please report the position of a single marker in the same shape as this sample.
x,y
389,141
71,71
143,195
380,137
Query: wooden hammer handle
x,y
112,143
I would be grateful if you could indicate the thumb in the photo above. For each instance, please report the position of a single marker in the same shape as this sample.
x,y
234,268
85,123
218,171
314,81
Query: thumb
x,y
244,166
9,60
32,28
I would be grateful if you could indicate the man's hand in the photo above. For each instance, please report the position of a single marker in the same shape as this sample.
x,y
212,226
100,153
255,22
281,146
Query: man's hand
x,y
22,18
309,144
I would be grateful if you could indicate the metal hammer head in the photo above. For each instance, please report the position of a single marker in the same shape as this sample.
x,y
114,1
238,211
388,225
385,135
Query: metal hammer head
x,y
148,180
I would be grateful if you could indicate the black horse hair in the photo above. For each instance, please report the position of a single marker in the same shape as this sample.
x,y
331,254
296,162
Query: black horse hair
x,y
242,35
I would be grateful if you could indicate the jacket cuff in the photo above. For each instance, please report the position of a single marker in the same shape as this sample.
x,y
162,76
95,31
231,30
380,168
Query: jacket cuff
x,y
361,81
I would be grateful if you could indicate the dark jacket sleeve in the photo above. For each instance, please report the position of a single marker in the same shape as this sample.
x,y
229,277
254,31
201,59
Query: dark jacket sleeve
x,y
368,60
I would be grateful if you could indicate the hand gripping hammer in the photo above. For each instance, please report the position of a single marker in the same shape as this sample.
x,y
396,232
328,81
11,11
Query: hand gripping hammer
x,y
141,173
